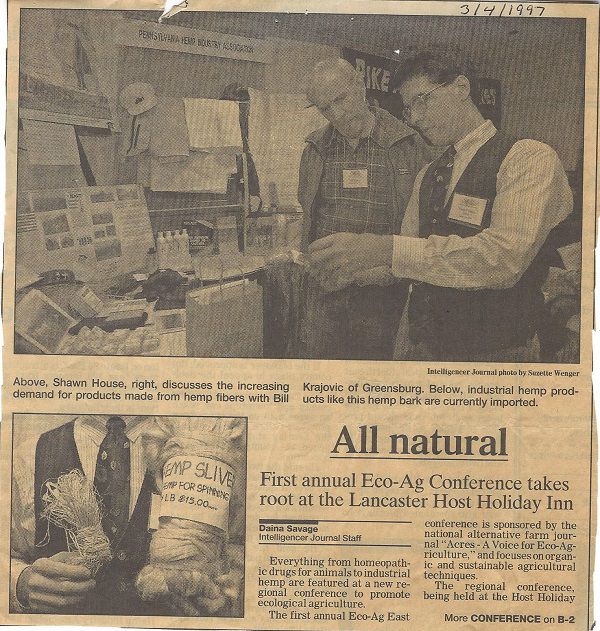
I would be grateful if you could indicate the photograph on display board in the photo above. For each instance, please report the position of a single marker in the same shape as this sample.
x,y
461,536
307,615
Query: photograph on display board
x,y
302,186
128,515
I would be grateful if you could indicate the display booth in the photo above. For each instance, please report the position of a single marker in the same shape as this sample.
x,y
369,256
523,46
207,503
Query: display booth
x,y
157,208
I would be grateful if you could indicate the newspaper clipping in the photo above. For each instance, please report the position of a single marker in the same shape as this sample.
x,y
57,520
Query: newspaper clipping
x,y
297,309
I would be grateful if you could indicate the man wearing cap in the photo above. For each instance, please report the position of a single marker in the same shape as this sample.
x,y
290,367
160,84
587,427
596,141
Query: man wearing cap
x,y
474,239
356,176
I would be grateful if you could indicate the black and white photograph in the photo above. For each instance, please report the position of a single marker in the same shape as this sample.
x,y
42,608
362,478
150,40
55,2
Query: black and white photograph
x,y
128,515
300,185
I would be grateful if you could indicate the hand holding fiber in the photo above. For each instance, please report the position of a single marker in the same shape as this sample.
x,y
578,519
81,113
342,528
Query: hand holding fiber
x,y
54,584
71,503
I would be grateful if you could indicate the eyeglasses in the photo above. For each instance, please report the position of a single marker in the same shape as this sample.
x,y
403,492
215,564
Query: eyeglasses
x,y
419,102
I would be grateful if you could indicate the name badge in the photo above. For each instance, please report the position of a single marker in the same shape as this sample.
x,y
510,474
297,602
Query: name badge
x,y
355,178
467,210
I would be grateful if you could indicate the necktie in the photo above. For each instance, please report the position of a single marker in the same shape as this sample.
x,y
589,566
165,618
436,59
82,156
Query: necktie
x,y
441,180
112,478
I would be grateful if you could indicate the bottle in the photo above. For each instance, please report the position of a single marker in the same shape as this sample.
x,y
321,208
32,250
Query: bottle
x,y
160,250
169,249
187,256
178,247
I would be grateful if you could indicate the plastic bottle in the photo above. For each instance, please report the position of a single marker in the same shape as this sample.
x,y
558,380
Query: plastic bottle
x,y
160,250
186,257
169,248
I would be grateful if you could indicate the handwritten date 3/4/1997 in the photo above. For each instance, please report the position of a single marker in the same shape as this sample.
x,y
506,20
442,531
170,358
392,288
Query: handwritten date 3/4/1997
x,y
511,9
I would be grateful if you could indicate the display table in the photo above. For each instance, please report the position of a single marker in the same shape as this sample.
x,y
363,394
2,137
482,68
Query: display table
x,y
163,333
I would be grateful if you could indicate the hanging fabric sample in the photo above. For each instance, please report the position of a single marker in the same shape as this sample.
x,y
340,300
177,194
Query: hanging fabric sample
x,y
213,124
278,126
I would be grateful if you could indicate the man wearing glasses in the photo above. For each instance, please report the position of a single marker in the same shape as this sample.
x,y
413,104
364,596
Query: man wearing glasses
x,y
474,232
356,176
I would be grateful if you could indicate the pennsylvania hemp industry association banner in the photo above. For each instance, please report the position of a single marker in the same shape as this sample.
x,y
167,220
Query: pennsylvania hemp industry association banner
x,y
297,308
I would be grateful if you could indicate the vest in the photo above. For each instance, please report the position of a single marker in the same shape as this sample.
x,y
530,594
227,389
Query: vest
x,y
115,594
459,324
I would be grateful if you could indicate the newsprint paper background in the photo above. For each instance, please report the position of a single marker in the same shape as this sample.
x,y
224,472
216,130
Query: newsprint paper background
x,y
360,490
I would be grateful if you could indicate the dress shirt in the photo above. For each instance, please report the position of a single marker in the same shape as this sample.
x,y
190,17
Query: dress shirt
x,y
532,197
89,431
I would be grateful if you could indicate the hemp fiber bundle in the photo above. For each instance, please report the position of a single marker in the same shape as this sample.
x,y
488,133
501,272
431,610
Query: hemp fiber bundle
x,y
193,568
71,503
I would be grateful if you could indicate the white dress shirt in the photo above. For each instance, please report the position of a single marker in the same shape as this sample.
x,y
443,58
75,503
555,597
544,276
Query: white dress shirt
x,y
89,432
532,197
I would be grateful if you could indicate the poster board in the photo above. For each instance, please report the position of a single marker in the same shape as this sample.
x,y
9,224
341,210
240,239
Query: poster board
x,y
97,232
